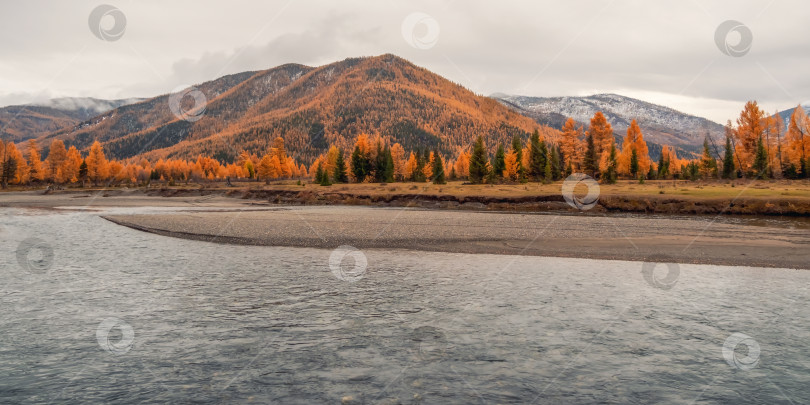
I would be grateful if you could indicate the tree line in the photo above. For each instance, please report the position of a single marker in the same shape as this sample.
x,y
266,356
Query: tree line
x,y
757,147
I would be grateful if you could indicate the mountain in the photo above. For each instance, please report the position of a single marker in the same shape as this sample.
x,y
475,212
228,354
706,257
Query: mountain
x,y
786,114
661,125
311,107
22,122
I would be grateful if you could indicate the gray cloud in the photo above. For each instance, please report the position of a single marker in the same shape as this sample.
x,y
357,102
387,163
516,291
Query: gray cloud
x,y
663,51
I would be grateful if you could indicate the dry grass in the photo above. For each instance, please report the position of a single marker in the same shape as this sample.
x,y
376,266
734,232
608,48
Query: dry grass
x,y
680,189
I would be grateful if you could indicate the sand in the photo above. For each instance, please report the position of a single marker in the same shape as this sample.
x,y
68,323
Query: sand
x,y
760,242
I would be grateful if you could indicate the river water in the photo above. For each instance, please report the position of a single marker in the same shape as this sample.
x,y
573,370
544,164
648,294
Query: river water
x,y
97,313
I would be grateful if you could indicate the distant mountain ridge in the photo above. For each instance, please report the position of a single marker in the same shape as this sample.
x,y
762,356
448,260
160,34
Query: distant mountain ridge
x,y
22,122
786,114
661,125
311,108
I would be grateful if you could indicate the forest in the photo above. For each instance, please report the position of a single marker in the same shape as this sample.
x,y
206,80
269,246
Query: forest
x,y
757,146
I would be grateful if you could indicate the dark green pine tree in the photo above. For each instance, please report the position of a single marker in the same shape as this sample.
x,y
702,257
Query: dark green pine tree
x,y
555,163
318,174
83,172
340,174
611,173
652,174
761,161
9,170
438,168
633,163
663,167
590,163
388,176
536,157
379,164
478,162
548,173
360,165
499,163
728,161
517,146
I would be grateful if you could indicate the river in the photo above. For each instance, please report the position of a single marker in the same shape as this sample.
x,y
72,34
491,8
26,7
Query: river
x,y
97,313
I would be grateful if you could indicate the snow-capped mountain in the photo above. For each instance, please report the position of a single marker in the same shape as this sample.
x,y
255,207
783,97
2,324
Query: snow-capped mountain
x,y
787,113
661,125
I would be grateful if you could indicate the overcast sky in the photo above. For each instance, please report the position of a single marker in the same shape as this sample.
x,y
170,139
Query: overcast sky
x,y
660,51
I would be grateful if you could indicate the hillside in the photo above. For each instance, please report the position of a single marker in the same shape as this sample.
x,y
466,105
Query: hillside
x,y
22,122
661,125
310,108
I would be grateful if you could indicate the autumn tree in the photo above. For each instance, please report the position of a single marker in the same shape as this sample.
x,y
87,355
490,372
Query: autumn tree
x,y
462,164
511,170
517,147
36,170
478,162
57,155
398,157
602,133
571,145
750,128
8,163
798,142
708,164
634,145
611,167
97,166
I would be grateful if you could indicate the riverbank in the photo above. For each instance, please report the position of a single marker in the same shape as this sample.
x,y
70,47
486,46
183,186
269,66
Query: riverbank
x,y
741,197
250,219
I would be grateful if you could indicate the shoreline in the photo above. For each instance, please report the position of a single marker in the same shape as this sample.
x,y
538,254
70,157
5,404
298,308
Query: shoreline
x,y
761,241
655,240
504,198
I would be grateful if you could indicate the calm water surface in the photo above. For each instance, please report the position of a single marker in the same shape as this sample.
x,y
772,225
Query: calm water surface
x,y
97,313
